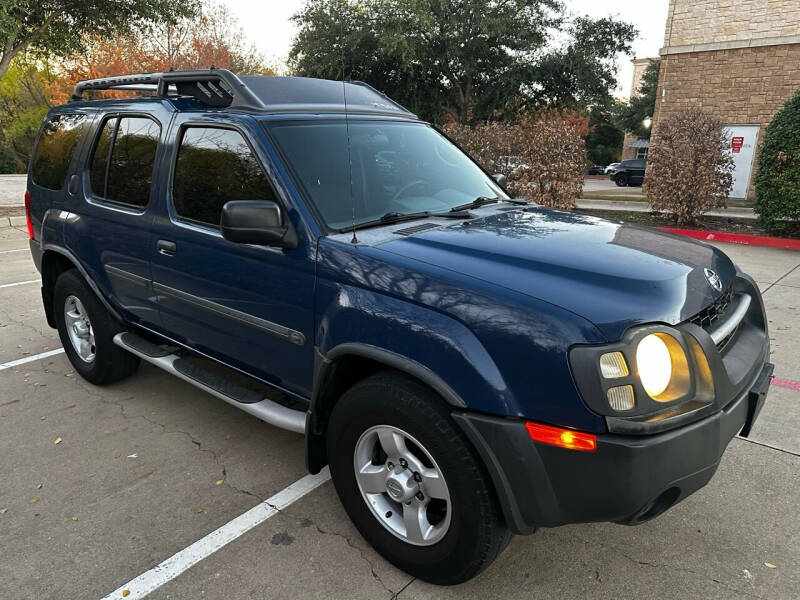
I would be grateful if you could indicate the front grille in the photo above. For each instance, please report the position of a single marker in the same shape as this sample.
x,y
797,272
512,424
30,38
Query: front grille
x,y
714,311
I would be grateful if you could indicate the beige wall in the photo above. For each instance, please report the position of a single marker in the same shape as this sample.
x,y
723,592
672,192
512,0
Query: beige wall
x,y
694,22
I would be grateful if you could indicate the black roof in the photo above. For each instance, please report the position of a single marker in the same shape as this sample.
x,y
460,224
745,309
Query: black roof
x,y
221,88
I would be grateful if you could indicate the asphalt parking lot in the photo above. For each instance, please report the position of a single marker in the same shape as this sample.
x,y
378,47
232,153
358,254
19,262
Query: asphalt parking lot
x,y
100,485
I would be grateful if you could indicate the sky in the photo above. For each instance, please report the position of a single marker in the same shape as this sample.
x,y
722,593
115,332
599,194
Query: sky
x,y
267,24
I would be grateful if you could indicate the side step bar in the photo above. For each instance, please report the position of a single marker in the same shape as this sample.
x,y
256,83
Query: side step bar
x,y
265,409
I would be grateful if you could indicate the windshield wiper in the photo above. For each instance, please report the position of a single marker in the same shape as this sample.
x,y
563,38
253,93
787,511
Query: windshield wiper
x,y
477,203
389,219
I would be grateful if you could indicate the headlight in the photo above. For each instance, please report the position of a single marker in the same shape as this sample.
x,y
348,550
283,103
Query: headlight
x,y
654,364
662,366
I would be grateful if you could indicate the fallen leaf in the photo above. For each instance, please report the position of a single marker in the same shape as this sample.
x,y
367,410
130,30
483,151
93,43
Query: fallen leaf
x,y
33,500
770,565
3,511
91,474
74,518
199,511
38,487
57,440
42,418
134,455
220,482
117,455
126,593
68,374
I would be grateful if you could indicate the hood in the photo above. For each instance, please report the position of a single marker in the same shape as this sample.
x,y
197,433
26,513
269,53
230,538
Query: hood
x,y
613,274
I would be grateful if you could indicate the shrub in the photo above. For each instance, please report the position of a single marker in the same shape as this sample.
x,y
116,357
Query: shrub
x,y
543,157
9,162
689,166
777,180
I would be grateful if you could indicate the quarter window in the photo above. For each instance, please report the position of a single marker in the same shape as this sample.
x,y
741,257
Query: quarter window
x,y
215,166
55,148
123,160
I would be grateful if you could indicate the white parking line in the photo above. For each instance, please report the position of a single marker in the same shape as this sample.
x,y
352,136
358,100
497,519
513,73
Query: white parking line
x,y
27,359
17,250
176,564
5,285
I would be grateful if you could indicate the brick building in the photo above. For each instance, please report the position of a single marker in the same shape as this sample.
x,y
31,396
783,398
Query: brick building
x,y
738,59
632,146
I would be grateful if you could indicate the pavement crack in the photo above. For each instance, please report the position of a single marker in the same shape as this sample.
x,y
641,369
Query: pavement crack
x,y
402,589
305,521
771,447
657,565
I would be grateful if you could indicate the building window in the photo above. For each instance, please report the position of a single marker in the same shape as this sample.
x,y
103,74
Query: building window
x,y
641,153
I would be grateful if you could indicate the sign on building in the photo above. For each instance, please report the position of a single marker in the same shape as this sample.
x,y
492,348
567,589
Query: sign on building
x,y
742,140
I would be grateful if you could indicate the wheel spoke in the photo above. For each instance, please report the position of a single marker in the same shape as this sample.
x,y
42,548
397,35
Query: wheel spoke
x,y
433,484
372,478
416,522
392,443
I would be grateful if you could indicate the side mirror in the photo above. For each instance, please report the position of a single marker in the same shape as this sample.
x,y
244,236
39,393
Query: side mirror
x,y
500,180
258,222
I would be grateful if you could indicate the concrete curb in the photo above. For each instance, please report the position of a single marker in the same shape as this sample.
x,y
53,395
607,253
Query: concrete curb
x,y
737,238
640,206
12,222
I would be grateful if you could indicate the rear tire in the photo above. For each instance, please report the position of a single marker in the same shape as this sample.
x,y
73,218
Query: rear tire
x,y
466,532
621,180
87,331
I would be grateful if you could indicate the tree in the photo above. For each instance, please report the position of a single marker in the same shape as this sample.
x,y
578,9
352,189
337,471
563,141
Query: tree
x,y
461,60
631,116
214,37
689,167
777,180
604,142
24,100
58,27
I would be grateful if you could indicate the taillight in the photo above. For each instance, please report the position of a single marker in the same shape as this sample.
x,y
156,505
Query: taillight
x,y
28,213
564,438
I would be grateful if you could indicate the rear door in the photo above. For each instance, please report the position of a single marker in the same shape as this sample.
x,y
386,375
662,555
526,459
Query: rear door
x,y
111,231
250,307
637,171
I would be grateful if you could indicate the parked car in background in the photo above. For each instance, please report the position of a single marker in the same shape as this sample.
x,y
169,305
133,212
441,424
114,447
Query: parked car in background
x,y
468,365
629,172
596,170
610,168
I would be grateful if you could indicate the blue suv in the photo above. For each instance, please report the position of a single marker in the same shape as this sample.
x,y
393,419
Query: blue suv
x,y
468,365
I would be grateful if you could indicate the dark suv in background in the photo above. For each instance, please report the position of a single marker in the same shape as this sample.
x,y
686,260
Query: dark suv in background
x,y
468,365
629,172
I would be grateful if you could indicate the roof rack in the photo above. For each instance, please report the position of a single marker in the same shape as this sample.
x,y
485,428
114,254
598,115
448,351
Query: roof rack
x,y
215,87
221,88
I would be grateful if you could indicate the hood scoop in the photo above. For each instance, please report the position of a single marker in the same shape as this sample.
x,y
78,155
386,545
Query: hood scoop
x,y
416,229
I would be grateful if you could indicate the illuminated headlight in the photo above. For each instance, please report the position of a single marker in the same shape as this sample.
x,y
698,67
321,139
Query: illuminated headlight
x,y
661,363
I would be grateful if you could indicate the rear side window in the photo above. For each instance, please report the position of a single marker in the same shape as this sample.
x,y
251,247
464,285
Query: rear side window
x,y
122,163
55,148
214,166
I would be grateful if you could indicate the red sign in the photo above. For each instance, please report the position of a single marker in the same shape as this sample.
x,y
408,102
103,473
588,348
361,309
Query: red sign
x,y
736,144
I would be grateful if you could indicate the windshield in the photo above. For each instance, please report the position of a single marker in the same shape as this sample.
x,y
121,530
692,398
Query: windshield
x,y
398,168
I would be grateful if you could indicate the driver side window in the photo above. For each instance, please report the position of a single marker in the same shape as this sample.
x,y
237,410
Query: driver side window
x,y
215,166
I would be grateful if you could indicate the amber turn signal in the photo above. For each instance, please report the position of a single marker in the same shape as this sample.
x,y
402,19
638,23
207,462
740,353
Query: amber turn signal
x,y
564,438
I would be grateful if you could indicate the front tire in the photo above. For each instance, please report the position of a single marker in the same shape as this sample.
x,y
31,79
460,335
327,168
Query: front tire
x,y
621,180
87,331
410,481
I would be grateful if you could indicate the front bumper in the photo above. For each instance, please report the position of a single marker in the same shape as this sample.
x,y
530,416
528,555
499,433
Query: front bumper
x,y
628,479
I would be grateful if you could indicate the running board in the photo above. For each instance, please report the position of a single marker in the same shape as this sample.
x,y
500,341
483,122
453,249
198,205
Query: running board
x,y
265,409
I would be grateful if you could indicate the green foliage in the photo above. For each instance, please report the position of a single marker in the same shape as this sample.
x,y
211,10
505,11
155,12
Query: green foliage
x,y
631,116
461,60
58,27
604,142
9,162
23,104
777,180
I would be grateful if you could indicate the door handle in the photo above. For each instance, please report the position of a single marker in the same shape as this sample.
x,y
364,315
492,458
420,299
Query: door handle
x,y
166,247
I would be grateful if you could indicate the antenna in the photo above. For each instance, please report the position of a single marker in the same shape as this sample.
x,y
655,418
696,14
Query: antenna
x,y
354,239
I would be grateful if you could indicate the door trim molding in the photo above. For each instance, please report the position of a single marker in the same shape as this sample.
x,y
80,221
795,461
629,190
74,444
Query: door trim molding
x,y
275,329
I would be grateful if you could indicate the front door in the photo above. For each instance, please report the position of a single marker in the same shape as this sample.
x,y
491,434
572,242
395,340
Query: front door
x,y
250,307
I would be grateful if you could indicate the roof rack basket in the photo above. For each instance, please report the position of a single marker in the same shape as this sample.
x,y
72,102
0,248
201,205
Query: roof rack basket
x,y
215,87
